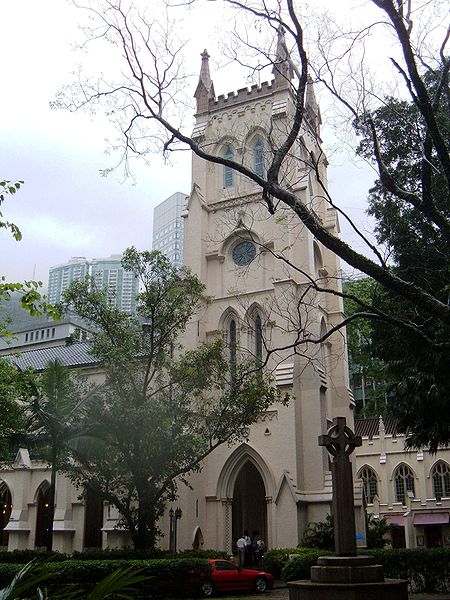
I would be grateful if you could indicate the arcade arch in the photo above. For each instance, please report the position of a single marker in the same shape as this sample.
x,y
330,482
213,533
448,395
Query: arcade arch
x,y
247,484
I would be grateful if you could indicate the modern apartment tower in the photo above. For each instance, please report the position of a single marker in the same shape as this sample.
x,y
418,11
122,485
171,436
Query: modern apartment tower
x,y
61,276
122,285
168,228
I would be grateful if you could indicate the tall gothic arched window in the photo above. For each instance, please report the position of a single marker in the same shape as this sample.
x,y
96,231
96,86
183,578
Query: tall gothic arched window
x,y
370,484
232,339
258,339
228,173
404,483
5,512
441,480
43,522
258,157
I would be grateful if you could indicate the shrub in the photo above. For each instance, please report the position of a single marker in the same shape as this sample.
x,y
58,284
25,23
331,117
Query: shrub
x,y
119,554
426,569
299,567
164,576
26,556
200,553
320,535
274,560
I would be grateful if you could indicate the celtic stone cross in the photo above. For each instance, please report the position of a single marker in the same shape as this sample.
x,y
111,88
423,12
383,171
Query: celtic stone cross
x,y
340,441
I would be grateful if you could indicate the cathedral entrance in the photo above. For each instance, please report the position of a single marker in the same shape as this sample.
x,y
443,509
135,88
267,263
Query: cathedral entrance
x,y
249,504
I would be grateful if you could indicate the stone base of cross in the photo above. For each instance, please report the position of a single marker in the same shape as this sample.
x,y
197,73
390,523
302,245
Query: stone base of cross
x,y
340,441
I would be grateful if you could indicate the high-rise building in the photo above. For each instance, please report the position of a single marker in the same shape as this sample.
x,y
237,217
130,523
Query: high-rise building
x,y
108,272
122,285
61,276
168,228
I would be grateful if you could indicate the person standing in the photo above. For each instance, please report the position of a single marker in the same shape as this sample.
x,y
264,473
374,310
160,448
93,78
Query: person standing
x,y
241,548
248,549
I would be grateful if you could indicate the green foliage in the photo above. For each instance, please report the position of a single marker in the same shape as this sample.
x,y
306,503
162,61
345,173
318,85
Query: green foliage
x,y
56,411
364,363
426,569
161,409
376,529
275,559
299,567
14,386
319,535
30,298
9,187
26,556
413,227
161,577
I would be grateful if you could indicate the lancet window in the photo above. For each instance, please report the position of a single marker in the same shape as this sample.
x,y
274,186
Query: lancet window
x,y
370,484
441,480
404,483
228,173
232,342
258,339
258,157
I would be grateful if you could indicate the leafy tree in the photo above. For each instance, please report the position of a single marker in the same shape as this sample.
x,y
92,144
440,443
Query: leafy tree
x,y
14,386
55,422
30,298
144,103
420,251
376,529
319,535
162,409
367,370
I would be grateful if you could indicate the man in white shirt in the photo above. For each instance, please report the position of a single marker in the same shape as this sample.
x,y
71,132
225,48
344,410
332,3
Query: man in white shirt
x,y
241,546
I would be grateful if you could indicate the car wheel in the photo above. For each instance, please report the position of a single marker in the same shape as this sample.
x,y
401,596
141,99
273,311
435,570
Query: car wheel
x,y
260,585
207,589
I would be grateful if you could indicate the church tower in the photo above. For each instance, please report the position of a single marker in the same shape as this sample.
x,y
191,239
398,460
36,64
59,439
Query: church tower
x,y
260,271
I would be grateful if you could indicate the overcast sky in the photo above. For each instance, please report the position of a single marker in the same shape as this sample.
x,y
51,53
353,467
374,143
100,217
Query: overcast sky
x,y
66,208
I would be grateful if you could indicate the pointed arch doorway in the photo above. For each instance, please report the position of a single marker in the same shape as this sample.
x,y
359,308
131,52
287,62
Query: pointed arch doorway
x,y
249,508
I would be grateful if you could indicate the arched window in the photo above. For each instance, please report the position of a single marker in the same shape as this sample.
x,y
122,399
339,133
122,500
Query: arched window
x,y
93,519
258,157
404,483
258,339
43,523
232,341
228,173
441,480
370,484
5,512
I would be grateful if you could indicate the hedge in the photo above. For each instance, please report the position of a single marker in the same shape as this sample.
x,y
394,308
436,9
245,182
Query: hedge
x,y
275,560
165,576
426,569
25,556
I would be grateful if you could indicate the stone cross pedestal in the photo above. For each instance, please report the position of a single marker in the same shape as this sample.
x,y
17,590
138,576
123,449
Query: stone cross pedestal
x,y
340,441
345,576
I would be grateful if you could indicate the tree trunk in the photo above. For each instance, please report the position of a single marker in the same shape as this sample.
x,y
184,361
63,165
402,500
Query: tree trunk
x,y
51,507
145,534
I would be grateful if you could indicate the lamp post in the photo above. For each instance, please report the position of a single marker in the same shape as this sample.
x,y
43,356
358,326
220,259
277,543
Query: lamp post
x,y
174,516
171,530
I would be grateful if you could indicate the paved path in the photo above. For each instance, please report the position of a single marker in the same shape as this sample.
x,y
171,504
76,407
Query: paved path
x,y
280,592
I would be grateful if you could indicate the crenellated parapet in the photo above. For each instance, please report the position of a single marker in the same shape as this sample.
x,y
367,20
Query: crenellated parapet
x,y
245,94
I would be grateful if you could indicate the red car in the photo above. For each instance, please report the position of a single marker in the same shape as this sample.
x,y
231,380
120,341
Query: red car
x,y
227,576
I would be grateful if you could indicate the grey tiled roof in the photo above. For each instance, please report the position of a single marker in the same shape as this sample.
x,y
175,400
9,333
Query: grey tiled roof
x,y
71,355
370,427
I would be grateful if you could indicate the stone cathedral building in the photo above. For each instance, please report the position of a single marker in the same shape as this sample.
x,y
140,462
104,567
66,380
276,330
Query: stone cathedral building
x,y
277,480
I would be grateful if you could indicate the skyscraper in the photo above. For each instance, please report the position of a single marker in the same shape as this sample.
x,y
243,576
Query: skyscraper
x,y
122,285
61,276
168,228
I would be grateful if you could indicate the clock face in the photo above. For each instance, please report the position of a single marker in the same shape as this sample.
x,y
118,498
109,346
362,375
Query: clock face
x,y
244,253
